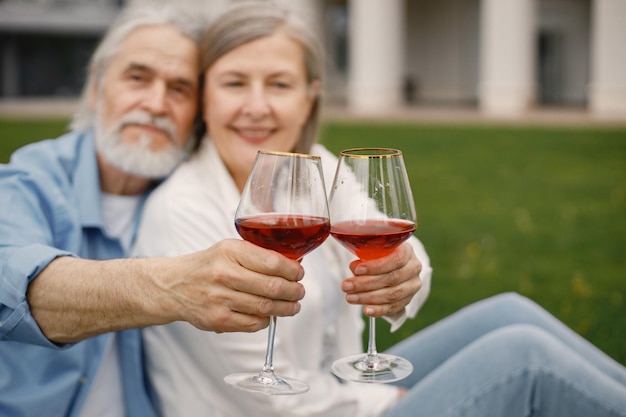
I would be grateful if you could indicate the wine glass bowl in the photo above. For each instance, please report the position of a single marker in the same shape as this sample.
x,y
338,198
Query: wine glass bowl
x,y
371,212
372,239
292,235
284,208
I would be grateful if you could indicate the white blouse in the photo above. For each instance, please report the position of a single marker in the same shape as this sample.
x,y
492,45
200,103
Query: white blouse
x,y
194,209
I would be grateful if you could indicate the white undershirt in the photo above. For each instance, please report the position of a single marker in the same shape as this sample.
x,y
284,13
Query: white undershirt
x,y
105,397
118,214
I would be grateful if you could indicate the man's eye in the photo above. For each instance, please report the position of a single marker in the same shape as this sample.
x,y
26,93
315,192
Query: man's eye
x,y
137,77
180,90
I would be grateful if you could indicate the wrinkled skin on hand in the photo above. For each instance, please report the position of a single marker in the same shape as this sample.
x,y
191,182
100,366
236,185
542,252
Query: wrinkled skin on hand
x,y
231,286
235,286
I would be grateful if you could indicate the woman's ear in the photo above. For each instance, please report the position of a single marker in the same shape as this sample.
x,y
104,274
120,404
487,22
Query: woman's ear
x,y
313,94
314,89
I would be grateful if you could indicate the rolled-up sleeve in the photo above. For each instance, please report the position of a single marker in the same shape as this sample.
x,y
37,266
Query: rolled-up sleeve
x,y
18,267
420,297
28,214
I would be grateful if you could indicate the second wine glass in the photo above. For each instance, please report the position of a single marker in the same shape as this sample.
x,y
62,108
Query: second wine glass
x,y
372,212
283,207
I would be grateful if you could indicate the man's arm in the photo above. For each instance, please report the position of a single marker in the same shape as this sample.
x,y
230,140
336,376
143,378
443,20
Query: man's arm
x,y
232,286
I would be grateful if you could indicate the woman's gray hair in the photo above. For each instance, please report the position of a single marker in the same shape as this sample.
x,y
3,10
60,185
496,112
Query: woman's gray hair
x,y
250,20
131,18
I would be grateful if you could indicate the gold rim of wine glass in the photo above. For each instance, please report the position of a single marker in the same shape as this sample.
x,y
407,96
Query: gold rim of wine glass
x,y
297,154
371,152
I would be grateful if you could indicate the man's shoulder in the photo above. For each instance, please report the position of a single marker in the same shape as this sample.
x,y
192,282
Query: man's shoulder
x,y
48,149
49,156
51,166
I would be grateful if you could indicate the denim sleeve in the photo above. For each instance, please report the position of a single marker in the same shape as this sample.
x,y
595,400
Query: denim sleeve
x,y
18,266
27,246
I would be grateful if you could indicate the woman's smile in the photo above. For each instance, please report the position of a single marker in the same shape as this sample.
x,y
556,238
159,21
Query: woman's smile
x,y
253,134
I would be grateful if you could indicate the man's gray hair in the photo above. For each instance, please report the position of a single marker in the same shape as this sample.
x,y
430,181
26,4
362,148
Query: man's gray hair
x,y
131,18
250,20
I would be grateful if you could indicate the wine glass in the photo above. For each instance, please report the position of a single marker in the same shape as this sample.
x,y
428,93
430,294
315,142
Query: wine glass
x,y
371,213
283,207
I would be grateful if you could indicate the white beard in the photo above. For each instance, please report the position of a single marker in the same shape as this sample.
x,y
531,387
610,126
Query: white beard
x,y
138,159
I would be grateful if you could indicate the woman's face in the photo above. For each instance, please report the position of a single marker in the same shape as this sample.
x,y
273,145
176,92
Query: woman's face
x,y
256,97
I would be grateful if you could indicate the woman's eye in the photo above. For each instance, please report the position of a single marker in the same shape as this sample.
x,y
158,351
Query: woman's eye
x,y
281,84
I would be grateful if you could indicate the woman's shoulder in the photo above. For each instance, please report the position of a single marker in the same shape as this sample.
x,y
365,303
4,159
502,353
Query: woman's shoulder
x,y
321,151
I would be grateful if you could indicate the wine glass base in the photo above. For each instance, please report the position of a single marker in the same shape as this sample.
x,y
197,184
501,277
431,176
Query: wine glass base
x,y
266,383
381,368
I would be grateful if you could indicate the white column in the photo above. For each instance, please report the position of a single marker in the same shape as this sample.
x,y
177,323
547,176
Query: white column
x,y
507,61
607,91
376,55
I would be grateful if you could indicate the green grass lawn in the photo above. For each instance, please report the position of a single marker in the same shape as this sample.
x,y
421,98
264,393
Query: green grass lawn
x,y
17,132
540,211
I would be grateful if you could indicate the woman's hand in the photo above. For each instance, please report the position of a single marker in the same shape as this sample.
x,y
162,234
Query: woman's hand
x,y
384,286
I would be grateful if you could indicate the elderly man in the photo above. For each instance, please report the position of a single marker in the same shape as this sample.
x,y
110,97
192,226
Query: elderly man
x,y
69,303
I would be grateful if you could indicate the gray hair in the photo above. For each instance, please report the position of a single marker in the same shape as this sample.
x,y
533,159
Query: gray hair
x,y
250,20
130,19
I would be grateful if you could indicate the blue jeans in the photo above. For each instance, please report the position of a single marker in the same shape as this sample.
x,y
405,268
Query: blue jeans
x,y
507,357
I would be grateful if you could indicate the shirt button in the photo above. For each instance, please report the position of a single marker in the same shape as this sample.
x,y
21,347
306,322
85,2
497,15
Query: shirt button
x,y
83,380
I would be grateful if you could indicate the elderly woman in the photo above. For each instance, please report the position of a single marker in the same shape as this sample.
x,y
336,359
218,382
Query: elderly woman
x,y
504,356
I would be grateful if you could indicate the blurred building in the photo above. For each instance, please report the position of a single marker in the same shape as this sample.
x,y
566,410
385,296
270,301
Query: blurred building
x,y
45,44
503,57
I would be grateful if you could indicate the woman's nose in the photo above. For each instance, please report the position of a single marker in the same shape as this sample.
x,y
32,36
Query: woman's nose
x,y
256,104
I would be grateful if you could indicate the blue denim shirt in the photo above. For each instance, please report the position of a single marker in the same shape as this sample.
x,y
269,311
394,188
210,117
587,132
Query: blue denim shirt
x,y
50,206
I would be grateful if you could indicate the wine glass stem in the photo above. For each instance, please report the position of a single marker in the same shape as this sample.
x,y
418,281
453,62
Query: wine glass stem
x,y
268,367
372,354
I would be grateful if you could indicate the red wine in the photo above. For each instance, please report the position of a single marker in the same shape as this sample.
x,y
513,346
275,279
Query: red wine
x,y
292,235
372,239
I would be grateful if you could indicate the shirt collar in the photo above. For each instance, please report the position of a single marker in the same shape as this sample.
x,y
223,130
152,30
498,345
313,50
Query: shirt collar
x,y
87,183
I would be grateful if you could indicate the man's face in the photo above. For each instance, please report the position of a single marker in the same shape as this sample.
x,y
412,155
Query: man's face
x,y
146,101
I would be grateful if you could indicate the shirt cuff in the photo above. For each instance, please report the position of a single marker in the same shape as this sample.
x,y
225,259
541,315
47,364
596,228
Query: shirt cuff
x,y
21,266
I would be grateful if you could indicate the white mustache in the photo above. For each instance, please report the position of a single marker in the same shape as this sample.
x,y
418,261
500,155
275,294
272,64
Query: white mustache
x,y
145,118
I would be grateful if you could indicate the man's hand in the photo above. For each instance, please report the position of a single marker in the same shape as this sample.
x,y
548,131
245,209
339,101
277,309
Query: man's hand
x,y
232,286
384,286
